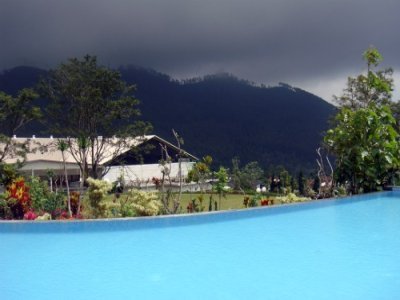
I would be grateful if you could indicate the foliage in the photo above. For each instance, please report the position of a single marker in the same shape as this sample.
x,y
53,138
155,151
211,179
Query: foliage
x,y
251,201
5,211
8,173
220,185
266,202
291,197
372,87
365,145
236,175
75,201
96,193
53,204
100,107
39,192
364,139
250,174
201,171
18,198
62,146
196,204
15,112
136,203
145,203
42,200
30,216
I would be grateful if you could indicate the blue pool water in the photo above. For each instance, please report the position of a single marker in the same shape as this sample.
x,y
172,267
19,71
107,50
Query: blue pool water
x,y
331,249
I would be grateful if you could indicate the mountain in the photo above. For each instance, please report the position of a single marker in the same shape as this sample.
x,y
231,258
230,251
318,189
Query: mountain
x,y
220,115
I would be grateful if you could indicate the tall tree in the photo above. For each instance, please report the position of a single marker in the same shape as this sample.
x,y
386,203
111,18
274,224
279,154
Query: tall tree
x,y
364,139
15,112
94,109
374,86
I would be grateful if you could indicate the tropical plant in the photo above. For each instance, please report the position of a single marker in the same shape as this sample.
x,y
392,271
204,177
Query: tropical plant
x,y
18,198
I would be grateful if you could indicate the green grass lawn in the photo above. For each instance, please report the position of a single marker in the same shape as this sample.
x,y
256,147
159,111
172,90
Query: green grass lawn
x,y
231,201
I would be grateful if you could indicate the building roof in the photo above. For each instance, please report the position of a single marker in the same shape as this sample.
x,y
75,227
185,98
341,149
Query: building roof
x,y
45,149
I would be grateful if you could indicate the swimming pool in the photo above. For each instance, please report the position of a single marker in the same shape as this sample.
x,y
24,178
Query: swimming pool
x,y
330,249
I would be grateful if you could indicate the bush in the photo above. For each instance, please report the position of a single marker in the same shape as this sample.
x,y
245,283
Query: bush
x,y
43,200
5,211
39,192
135,203
18,198
290,198
97,192
145,203
53,204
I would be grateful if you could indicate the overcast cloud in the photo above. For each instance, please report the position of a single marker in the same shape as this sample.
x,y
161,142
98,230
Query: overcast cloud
x,y
312,44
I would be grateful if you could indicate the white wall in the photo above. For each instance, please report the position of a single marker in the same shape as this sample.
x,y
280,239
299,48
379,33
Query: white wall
x,y
141,174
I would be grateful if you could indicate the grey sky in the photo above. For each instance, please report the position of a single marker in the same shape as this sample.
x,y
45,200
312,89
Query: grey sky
x,y
312,44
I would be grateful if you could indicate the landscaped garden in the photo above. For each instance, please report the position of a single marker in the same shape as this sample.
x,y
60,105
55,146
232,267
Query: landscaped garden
x,y
363,139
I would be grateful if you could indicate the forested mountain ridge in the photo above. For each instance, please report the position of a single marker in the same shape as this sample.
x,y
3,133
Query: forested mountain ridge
x,y
219,115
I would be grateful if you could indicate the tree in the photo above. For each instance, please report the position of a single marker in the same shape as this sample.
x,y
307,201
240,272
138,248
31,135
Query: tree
x,y
15,112
250,174
375,86
364,138
366,147
94,109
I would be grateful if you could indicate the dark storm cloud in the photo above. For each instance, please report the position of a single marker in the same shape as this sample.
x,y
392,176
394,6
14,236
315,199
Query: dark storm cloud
x,y
296,41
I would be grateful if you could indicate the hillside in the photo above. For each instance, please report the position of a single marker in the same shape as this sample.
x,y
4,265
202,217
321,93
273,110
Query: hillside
x,y
220,115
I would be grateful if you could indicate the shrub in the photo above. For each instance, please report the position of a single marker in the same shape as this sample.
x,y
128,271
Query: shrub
x,y
74,198
196,205
44,217
97,192
18,198
39,192
291,197
5,211
53,204
136,203
145,203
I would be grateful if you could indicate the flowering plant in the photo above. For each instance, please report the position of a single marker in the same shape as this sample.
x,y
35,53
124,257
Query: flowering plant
x,y
18,198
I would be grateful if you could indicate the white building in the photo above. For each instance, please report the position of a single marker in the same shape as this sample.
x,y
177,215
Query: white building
x,y
136,163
